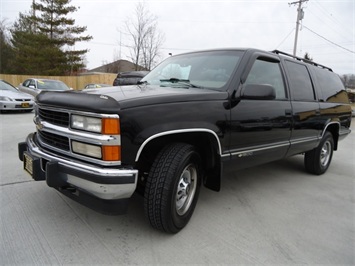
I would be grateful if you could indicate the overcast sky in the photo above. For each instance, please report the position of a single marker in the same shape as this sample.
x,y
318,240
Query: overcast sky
x,y
327,32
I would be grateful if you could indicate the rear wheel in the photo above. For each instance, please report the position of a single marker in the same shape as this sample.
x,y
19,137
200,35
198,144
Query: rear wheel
x,y
318,160
172,187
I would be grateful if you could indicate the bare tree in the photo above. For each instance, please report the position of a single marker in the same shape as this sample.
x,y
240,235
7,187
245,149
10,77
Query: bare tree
x,y
151,47
147,40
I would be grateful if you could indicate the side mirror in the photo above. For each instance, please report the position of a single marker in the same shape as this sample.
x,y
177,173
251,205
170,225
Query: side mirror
x,y
32,86
258,92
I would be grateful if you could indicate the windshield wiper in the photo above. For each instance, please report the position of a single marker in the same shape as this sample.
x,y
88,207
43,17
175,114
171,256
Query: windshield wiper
x,y
180,81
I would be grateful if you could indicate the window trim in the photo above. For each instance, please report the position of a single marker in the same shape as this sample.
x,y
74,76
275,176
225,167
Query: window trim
x,y
269,59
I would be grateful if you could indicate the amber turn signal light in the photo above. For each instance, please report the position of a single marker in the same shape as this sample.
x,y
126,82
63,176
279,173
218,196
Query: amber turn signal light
x,y
111,126
111,153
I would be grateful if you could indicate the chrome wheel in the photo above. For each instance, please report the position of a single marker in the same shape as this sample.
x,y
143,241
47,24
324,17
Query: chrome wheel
x,y
186,189
318,160
325,153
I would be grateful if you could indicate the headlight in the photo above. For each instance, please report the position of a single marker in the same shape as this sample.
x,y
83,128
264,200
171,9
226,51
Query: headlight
x,y
86,123
7,99
97,125
106,153
87,149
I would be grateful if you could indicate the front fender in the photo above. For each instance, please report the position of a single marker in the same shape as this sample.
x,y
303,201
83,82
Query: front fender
x,y
158,134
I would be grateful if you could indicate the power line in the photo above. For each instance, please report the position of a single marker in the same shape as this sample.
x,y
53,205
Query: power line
x,y
329,40
331,17
284,39
330,21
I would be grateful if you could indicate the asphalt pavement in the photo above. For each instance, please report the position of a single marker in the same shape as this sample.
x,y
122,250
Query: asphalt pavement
x,y
271,214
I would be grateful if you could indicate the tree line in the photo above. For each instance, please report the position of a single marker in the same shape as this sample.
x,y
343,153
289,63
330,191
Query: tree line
x,y
42,41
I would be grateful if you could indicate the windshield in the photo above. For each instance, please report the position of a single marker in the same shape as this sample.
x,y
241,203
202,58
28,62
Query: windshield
x,y
52,85
210,70
4,86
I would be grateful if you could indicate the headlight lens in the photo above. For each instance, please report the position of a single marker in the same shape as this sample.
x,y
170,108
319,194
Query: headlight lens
x,y
87,149
86,123
7,99
106,153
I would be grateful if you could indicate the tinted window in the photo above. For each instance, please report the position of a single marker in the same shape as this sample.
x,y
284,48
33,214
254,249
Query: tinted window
x,y
300,82
330,85
264,72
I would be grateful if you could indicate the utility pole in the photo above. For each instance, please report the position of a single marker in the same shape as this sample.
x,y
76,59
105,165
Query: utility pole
x,y
300,15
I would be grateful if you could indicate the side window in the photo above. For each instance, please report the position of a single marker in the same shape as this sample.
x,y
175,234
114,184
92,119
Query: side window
x,y
264,72
32,83
331,87
26,83
301,86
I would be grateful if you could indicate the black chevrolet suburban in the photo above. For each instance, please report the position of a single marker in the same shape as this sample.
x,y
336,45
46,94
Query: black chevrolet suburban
x,y
184,121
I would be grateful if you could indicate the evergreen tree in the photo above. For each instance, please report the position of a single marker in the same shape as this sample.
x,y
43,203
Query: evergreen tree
x,y
44,40
34,52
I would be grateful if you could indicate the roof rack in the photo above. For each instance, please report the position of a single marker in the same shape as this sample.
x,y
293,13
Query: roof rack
x,y
301,59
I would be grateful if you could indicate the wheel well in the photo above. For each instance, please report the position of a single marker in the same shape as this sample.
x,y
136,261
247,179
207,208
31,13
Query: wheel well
x,y
334,130
206,145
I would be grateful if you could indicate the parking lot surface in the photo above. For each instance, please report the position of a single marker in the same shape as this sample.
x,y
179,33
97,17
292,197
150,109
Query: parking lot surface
x,y
271,214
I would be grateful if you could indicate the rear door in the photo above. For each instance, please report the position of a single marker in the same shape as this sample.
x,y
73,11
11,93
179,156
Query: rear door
x,y
307,123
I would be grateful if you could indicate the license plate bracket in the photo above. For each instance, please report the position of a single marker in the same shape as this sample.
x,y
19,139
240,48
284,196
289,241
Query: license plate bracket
x,y
28,163
32,165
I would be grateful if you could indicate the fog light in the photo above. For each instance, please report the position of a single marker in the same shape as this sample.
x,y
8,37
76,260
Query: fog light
x,y
86,149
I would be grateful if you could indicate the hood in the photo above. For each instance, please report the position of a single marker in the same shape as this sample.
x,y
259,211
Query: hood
x,y
112,99
16,95
140,95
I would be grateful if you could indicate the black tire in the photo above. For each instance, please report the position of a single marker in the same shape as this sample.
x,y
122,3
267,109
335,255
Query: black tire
x,y
318,160
172,187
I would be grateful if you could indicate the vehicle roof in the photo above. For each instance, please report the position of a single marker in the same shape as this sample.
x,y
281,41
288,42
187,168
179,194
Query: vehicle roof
x,y
278,53
45,79
134,73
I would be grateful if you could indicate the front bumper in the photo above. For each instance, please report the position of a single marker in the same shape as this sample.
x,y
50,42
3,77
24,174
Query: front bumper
x,y
14,106
81,182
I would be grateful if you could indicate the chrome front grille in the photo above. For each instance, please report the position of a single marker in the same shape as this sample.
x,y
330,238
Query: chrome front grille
x,y
54,117
57,141
23,100
54,133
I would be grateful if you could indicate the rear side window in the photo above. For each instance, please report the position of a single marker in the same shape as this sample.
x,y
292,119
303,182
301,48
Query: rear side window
x,y
301,86
264,72
330,85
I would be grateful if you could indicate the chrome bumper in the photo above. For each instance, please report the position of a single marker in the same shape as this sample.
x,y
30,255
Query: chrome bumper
x,y
103,183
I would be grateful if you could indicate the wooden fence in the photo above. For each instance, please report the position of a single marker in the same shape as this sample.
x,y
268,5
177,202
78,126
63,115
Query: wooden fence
x,y
75,82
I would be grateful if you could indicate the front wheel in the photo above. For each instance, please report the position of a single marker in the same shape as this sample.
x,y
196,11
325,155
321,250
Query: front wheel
x,y
172,187
318,160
